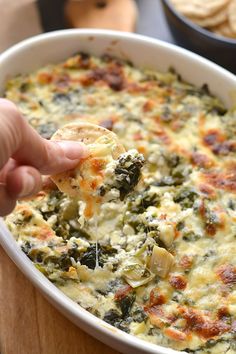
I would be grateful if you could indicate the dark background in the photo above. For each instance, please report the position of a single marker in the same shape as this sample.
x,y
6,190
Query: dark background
x,y
151,21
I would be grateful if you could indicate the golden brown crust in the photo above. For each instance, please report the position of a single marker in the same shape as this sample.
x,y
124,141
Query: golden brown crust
x,y
73,182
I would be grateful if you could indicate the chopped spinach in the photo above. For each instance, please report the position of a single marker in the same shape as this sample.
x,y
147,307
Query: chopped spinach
x,y
114,318
173,160
177,175
190,236
186,197
128,173
138,203
61,98
63,262
115,284
232,204
199,92
60,229
166,115
125,304
46,130
139,315
169,181
36,256
25,86
79,233
180,226
60,261
26,247
88,258
208,254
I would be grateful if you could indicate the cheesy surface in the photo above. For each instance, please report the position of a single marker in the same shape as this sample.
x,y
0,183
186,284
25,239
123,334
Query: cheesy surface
x,y
108,172
167,253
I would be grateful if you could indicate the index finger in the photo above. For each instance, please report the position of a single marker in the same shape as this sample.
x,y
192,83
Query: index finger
x,y
20,141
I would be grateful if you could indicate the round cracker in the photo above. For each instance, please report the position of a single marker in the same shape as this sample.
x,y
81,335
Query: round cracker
x,y
78,117
88,134
213,20
199,8
224,30
103,122
232,15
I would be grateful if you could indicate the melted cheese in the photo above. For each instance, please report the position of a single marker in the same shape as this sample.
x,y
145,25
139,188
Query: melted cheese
x,y
186,203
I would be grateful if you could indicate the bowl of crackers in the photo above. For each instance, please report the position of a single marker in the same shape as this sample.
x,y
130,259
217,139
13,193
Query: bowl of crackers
x,y
205,27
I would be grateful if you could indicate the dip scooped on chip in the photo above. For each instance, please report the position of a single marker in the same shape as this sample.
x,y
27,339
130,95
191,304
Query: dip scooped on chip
x,y
107,173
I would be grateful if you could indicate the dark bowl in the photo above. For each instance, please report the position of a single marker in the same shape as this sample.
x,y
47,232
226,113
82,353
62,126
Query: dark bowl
x,y
219,49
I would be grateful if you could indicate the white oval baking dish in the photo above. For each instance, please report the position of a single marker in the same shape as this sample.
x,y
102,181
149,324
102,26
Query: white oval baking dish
x,y
144,52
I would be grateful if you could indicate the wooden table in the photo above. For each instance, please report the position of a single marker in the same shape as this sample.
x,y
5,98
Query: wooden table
x,y
28,323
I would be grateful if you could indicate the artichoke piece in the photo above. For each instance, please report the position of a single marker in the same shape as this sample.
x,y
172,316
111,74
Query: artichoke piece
x,y
136,273
70,210
161,261
166,233
140,282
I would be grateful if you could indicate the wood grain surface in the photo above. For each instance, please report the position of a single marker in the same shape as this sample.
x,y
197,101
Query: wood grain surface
x,y
30,325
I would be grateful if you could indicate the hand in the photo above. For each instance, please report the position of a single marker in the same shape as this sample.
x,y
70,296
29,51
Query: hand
x,y
24,156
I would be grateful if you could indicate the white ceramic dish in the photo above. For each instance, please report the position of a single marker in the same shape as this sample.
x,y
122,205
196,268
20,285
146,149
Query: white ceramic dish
x,y
142,51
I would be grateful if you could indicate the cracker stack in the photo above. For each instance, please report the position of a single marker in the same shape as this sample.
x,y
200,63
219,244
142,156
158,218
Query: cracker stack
x,y
218,16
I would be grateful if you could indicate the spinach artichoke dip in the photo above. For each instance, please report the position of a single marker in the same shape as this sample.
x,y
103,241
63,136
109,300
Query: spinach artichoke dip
x,y
167,252
107,173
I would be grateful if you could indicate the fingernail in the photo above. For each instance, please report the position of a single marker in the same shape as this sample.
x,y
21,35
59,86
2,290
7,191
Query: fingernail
x,y
28,185
73,150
